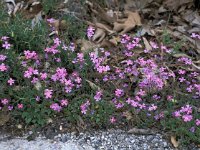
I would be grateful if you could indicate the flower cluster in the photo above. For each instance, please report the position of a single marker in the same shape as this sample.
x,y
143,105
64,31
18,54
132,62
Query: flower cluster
x,y
99,61
84,107
90,32
196,36
6,45
185,113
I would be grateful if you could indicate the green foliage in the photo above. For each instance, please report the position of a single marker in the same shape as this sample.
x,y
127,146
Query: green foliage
x,y
75,29
50,5
22,35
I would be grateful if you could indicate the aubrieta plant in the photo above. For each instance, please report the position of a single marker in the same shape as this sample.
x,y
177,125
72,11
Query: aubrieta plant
x,y
155,88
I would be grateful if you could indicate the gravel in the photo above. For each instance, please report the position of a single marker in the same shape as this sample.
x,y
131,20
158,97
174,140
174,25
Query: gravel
x,y
99,140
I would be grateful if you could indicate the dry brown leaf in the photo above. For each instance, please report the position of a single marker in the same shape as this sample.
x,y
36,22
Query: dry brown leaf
x,y
107,43
105,27
38,85
174,142
86,45
196,67
147,30
130,23
100,12
114,40
175,4
147,45
93,86
181,55
136,5
192,17
56,24
128,115
99,35
36,20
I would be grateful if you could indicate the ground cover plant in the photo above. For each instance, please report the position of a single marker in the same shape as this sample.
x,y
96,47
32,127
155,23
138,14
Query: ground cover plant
x,y
131,84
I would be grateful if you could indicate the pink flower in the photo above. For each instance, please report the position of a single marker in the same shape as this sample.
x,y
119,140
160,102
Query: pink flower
x,y
57,41
187,118
48,93
27,74
177,114
152,107
141,93
112,119
194,35
181,71
90,32
4,101
30,55
6,45
2,57
119,92
11,81
51,20
119,105
20,106
4,38
182,79
186,109
3,67
37,98
78,80
34,80
64,102
43,76
84,107
134,103
169,97
197,122
98,95
10,108
55,107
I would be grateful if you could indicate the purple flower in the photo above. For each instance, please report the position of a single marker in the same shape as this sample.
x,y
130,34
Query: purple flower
x,y
6,45
192,129
2,57
90,32
98,95
84,107
119,92
187,118
56,107
197,122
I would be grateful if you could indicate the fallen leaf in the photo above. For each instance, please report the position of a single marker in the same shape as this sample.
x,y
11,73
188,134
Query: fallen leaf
x,y
93,86
147,45
99,35
86,46
100,12
128,115
174,142
38,85
175,4
36,21
147,30
130,23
